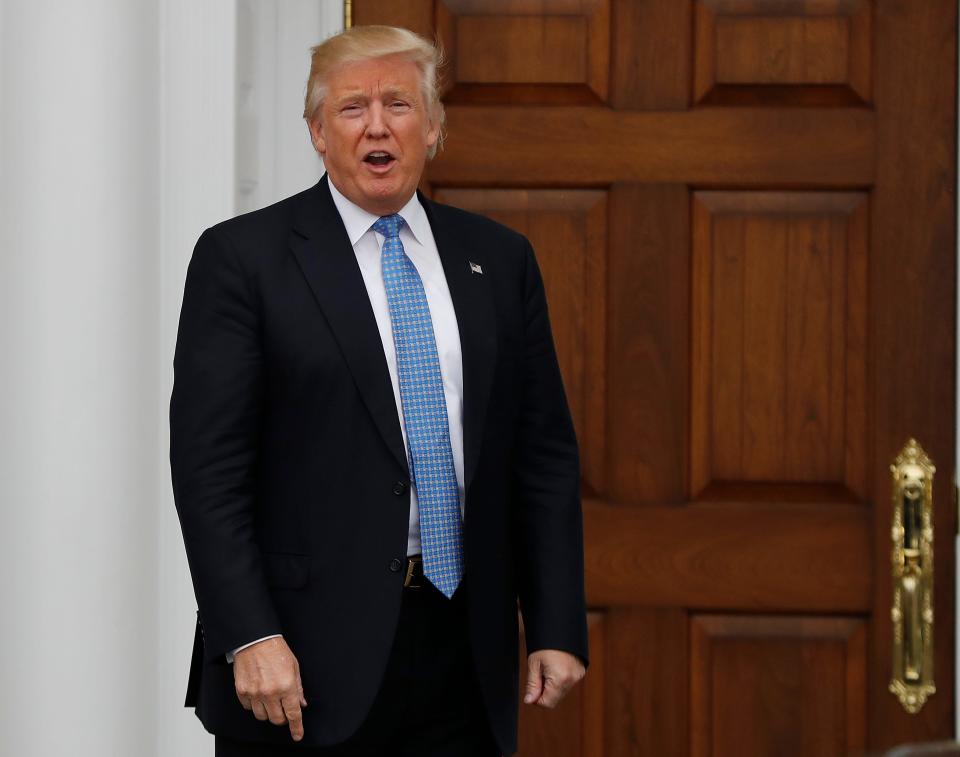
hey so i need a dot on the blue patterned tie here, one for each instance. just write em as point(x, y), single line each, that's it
point(424, 412)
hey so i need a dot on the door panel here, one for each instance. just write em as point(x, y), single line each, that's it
point(513, 51)
point(783, 51)
point(779, 328)
point(745, 215)
point(802, 677)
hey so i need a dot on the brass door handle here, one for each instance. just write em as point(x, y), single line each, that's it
point(912, 561)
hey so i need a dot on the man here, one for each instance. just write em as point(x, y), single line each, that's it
point(373, 460)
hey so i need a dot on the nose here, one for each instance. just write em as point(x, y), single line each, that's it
point(377, 124)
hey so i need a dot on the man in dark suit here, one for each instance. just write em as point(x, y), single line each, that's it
point(372, 456)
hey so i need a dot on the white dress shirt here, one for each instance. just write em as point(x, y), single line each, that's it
point(419, 245)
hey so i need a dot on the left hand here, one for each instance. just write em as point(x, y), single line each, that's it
point(550, 675)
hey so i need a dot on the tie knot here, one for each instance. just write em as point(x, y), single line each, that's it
point(389, 226)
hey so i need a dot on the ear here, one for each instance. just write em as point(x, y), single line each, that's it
point(316, 136)
point(433, 127)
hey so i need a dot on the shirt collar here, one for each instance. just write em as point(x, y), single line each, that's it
point(358, 221)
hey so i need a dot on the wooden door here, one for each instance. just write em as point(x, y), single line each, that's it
point(745, 215)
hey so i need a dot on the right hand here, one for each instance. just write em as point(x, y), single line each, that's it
point(267, 679)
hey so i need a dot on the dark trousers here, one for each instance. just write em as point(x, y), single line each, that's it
point(428, 704)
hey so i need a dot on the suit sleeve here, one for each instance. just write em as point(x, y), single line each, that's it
point(214, 428)
point(547, 477)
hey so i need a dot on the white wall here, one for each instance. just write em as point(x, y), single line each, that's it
point(273, 151)
point(118, 135)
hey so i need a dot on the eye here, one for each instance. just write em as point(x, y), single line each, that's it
point(399, 105)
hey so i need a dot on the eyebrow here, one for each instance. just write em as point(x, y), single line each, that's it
point(388, 93)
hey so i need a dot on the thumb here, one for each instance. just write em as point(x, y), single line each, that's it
point(534, 680)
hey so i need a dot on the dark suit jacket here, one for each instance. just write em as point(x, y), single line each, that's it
point(291, 481)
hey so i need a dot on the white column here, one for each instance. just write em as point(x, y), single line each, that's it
point(79, 327)
point(207, 111)
point(117, 147)
point(197, 181)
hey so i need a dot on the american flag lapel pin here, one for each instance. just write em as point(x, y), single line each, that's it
point(475, 268)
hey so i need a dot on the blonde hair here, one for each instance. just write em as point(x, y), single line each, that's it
point(362, 43)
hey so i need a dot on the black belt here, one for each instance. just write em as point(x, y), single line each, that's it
point(413, 576)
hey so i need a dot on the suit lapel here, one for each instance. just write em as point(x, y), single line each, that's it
point(325, 255)
point(473, 304)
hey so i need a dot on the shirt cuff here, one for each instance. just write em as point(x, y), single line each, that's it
point(231, 655)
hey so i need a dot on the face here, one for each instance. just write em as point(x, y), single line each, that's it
point(374, 131)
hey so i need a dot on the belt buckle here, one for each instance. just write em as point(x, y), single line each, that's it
point(408, 579)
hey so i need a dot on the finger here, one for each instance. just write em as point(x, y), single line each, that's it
point(291, 709)
point(534, 680)
point(552, 692)
point(259, 711)
point(275, 712)
point(242, 690)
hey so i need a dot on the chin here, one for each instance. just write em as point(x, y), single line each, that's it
point(386, 195)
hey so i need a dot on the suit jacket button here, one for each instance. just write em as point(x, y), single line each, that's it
point(395, 565)
point(400, 488)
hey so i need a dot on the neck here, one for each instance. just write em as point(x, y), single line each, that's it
point(385, 208)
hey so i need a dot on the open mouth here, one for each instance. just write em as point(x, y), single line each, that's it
point(378, 158)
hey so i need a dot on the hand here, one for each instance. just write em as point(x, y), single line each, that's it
point(267, 679)
point(550, 675)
